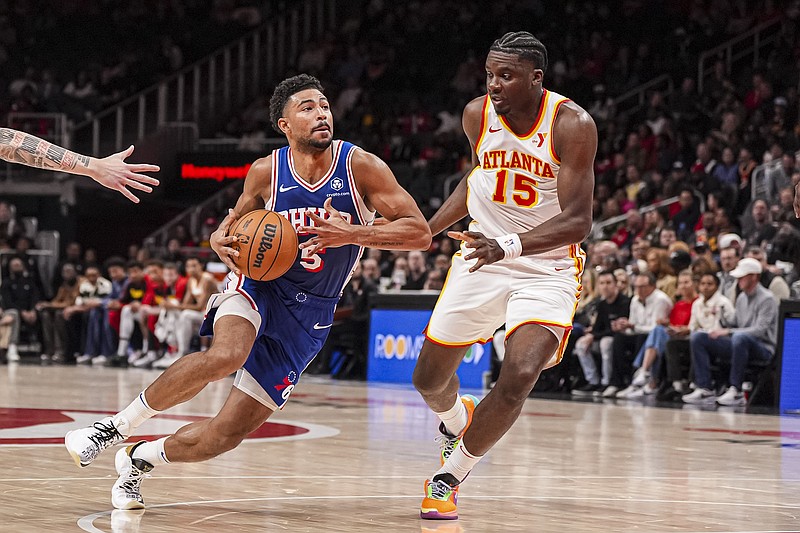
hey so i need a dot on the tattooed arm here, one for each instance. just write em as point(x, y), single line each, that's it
point(112, 171)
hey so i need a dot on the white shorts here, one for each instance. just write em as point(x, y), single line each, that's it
point(473, 305)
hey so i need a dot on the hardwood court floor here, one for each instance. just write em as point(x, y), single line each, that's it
point(352, 457)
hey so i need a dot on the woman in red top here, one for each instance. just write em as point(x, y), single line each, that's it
point(652, 353)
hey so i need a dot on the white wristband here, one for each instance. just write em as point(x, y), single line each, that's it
point(511, 245)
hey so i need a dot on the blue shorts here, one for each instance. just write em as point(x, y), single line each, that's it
point(292, 330)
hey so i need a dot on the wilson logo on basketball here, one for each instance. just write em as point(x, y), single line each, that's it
point(266, 243)
point(21, 426)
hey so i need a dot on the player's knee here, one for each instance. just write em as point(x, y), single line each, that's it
point(518, 383)
point(428, 382)
point(222, 361)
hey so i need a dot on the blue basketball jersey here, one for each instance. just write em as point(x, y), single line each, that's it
point(326, 272)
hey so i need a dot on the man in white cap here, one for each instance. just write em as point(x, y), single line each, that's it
point(751, 337)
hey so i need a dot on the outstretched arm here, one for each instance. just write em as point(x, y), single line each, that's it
point(455, 207)
point(406, 228)
point(112, 171)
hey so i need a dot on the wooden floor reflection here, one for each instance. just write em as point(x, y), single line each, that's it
point(352, 457)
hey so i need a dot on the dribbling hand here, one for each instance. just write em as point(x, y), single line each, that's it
point(114, 173)
point(220, 242)
point(331, 231)
point(487, 251)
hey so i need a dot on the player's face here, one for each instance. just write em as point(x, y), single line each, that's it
point(192, 268)
point(308, 119)
point(707, 286)
point(511, 82)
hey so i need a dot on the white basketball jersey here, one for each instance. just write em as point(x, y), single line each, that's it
point(514, 188)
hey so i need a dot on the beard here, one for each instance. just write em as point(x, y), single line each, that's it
point(315, 144)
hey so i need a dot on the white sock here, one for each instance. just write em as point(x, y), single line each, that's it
point(459, 463)
point(122, 349)
point(455, 418)
point(134, 415)
point(152, 452)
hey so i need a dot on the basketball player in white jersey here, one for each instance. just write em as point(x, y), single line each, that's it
point(111, 172)
point(530, 199)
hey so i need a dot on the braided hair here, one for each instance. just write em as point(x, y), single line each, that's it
point(524, 45)
point(284, 91)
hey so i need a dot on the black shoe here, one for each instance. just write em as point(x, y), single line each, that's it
point(587, 390)
point(669, 395)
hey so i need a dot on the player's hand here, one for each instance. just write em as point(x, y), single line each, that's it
point(797, 200)
point(220, 242)
point(717, 333)
point(487, 251)
point(113, 172)
point(331, 231)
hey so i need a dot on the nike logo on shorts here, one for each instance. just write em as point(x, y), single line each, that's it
point(317, 326)
point(562, 269)
point(284, 189)
point(494, 131)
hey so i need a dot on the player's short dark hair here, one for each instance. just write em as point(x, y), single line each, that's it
point(524, 45)
point(156, 263)
point(134, 264)
point(285, 90)
point(712, 276)
point(195, 258)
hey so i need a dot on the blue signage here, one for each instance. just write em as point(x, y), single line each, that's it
point(395, 340)
point(790, 367)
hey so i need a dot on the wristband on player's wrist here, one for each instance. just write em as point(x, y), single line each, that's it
point(511, 245)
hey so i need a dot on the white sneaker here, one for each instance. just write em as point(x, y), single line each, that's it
point(648, 390)
point(699, 396)
point(630, 393)
point(610, 392)
point(12, 355)
point(84, 359)
point(134, 356)
point(100, 360)
point(147, 360)
point(640, 378)
point(166, 361)
point(126, 521)
point(85, 444)
point(732, 396)
point(125, 493)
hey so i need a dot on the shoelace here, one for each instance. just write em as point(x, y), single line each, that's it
point(105, 435)
point(439, 490)
point(134, 481)
point(447, 444)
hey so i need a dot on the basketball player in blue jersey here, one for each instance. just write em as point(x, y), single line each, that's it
point(111, 172)
point(267, 332)
point(530, 199)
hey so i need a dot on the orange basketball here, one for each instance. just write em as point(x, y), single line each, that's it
point(267, 245)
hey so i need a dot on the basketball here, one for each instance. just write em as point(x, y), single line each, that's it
point(267, 245)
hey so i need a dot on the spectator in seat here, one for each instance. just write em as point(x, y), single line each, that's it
point(627, 234)
point(761, 230)
point(751, 336)
point(188, 312)
point(649, 307)
point(129, 304)
point(709, 311)
point(417, 271)
point(613, 305)
point(648, 362)
point(117, 274)
point(92, 293)
point(20, 296)
point(686, 219)
point(56, 324)
point(73, 255)
point(774, 282)
point(658, 265)
point(156, 293)
point(9, 228)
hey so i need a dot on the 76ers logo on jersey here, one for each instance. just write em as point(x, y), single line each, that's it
point(337, 184)
point(288, 385)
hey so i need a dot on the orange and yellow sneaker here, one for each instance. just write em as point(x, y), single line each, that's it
point(447, 441)
point(440, 500)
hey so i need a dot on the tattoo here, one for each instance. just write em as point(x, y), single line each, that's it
point(20, 147)
point(385, 243)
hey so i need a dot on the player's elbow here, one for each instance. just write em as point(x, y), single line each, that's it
point(423, 237)
point(582, 227)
